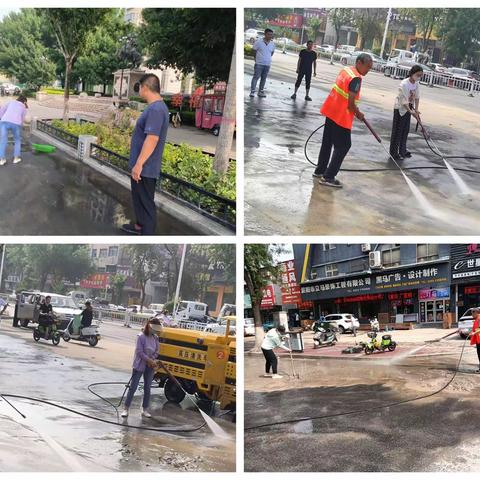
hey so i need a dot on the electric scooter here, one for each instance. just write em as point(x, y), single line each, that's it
point(379, 345)
point(47, 329)
point(324, 337)
point(74, 331)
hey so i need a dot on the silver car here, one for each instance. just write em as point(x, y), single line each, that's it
point(465, 323)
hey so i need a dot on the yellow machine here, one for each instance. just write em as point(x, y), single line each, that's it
point(203, 362)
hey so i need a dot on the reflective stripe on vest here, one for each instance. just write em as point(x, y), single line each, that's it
point(335, 106)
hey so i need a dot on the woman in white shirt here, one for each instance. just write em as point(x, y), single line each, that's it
point(406, 105)
point(272, 340)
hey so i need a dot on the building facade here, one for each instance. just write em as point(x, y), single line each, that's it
point(398, 283)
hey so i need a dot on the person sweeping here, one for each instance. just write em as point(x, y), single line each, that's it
point(406, 106)
point(273, 339)
point(339, 109)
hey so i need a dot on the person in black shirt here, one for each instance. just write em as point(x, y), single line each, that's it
point(87, 315)
point(46, 313)
point(306, 59)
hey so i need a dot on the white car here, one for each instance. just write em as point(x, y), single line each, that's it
point(465, 323)
point(343, 321)
point(327, 48)
point(351, 58)
point(248, 327)
point(252, 35)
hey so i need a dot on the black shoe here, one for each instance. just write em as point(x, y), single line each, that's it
point(307, 98)
point(407, 155)
point(330, 183)
point(317, 175)
point(130, 229)
point(397, 158)
point(294, 96)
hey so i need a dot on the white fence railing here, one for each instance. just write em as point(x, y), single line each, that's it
point(432, 79)
point(127, 318)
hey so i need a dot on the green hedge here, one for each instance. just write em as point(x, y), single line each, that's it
point(55, 91)
point(248, 50)
point(184, 161)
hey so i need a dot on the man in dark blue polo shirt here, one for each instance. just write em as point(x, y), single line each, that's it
point(146, 150)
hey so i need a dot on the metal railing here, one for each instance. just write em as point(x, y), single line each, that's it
point(432, 78)
point(213, 206)
point(61, 135)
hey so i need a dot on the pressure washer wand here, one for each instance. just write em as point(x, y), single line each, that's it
point(379, 140)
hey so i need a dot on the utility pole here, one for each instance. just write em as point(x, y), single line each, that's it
point(1, 263)
point(179, 281)
point(387, 23)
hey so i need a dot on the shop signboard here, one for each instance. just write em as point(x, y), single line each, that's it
point(465, 262)
point(290, 289)
point(268, 298)
point(391, 280)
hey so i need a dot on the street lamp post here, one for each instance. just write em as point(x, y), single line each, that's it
point(387, 23)
point(1, 263)
point(129, 55)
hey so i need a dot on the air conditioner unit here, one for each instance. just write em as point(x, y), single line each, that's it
point(375, 259)
point(366, 247)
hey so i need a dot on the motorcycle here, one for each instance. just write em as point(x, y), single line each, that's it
point(75, 331)
point(386, 343)
point(324, 337)
point(47, 329)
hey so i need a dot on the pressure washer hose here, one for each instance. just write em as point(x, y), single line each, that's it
point(171, 429)
point(366, 410)
point(433, 167)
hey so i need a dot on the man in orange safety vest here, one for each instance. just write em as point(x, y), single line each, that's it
point(339, 108)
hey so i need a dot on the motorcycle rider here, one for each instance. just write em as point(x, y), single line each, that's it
point(87, 315)
point(46, 314)
point(375, 325)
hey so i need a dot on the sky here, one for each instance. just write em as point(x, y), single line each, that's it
point(5, 11)
point(287, 255)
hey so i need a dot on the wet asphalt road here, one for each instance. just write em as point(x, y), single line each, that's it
point(282, 198)
point(51, 194)
point(50, 439)
point(439, 433)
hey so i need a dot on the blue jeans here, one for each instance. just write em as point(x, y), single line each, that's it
point(147, 383)
point(260, 71)
point(17, 136)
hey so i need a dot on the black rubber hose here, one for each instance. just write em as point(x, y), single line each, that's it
point(170, 429)
point(365, 410)
point(433, 167)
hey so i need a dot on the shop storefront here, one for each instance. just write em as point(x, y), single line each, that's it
point(409, 294)
point(465, 271)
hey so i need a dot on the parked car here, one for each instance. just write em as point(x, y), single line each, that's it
point(10, 89)
point(281, 41)
point(351, 58)
point(346, 48)
point(252, 35)
point(460, 73)
point(342, 321)
point(248, 327)
point(327, 48)
point(465, 323)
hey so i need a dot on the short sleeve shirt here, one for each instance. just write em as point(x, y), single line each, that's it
point(355, 84)
point(152, 121)
point(264, 52)
point(307, 57)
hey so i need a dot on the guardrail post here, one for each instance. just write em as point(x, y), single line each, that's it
point(78, 118)
point(472, 83)
point(430, 83)
point(84, 142)
point(33, 124)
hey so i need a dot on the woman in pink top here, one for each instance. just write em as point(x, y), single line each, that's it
point(12, 115)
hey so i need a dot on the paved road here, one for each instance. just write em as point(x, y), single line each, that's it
point(432, 434)
point(282, 198)
point(54, 440)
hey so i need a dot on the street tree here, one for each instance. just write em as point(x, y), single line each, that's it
point(117, 283)
point(23, 53)
point(461, 34)
point(99, 60)
point(370, 23)
point(339, 17)
point(426, 22)
point(71, 27)
point(146, 261)
point(313, 29)
point(260, 269)
point(199, 41)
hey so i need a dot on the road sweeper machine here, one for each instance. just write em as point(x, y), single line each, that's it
point(204, 363)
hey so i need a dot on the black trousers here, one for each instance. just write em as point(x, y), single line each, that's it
point(308, 79)
point(400, 131)
point(478, 352)
point(271, 361)
point(338, 138)
point(143, 198)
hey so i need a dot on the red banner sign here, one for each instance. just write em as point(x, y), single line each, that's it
point(268, 299)
point(292, 20)
point(291, 293)
point(99, 280)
